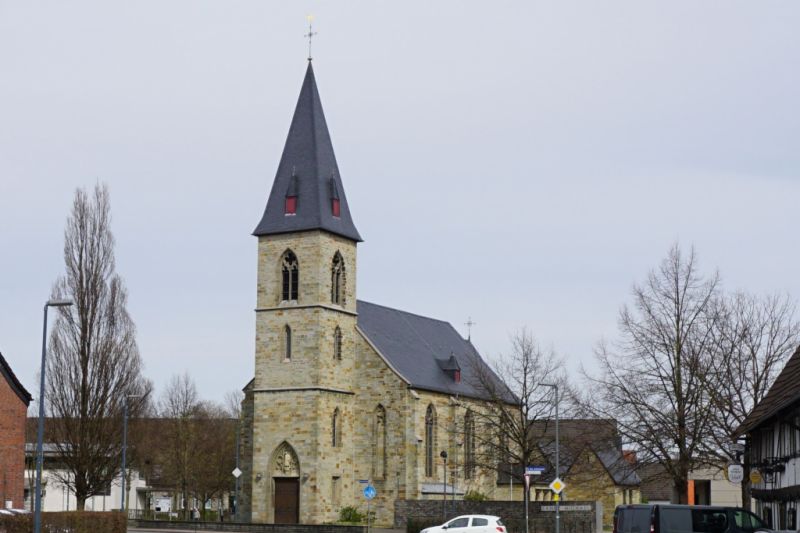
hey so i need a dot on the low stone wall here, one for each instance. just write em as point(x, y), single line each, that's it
point(575, 517)
point(243, 527)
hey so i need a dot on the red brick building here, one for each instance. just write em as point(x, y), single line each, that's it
point(14, 401)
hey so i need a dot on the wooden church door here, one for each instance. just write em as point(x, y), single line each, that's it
point(287, 500)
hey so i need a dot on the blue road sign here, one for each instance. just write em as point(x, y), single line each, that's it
point(370, 492)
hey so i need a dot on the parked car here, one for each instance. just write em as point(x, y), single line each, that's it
point(472, 523)
point(659, 518)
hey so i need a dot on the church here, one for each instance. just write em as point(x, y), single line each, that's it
point(346, 393)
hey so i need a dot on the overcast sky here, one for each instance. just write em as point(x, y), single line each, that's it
point(520, 163)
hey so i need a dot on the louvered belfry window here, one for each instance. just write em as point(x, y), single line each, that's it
point(337, 279)
point(290, 274)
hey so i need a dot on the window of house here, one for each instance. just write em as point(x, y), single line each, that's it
point(379, 443)
point(337, 279)
point(336, 430)
point(767, 514)
point(430, 434)
point(287, 343)
point(290, 276)
point(469, 445)
point(337, 344)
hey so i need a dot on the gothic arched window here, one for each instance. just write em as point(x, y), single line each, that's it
point(430, 439)
point(336, 428)
point(379, 444)
point(337, 344)
point(287, 343)
point(337, 279)
point(289, 276)
point(469, 445)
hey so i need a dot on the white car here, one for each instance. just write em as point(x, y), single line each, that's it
point(471, 523)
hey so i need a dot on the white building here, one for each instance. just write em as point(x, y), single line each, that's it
point(58, 497)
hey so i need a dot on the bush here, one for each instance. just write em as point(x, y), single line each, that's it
point(351, 514)
point(475, 496)
point(73, 521)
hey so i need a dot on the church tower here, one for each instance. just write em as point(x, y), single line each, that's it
point(303, 412)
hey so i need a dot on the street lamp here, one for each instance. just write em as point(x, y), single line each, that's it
point(37, 513)
point(443, 455)
point(125, 443)
point(558, 469)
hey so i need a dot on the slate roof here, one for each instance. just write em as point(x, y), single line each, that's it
point(610, 456)
point(308, 170)
point(784, 393)
point(13, 382)
point(424, 350)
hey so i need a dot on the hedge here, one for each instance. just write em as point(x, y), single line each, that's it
point(67, 522)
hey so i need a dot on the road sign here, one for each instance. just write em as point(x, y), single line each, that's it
point(735, 473)
point(370, 492)
point(363, 481)
point(557, 486)
point(534, 470)
point(755, 477)
point(236, 472)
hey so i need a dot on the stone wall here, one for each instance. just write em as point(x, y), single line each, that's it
point(236, 527)
point(575, 516)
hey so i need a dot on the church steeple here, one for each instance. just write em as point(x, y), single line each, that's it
point(307, 193)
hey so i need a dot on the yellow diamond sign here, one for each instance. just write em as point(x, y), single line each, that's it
point(557, 486)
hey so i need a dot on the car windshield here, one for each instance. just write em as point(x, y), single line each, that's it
point(458, 522)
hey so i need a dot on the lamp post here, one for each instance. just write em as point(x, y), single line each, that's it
point(37, 513)
point(443, 455)
point(558, 469)
point(125, 444)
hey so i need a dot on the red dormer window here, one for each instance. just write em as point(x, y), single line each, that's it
point(335, 207)
point(291, 205)
point(457, 376)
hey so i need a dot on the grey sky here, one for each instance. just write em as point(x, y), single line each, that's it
point(522, 163)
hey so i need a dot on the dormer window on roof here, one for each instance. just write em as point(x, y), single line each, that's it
point(335, 206)
point(451, 367)
point(290, 207)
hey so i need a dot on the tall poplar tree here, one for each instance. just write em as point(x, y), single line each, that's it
point(94, 365)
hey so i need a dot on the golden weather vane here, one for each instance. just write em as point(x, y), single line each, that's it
point(310, 34)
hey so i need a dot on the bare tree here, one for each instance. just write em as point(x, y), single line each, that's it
point(753, 338)
point(94, 363)
point(179, 404)
point(233, 403)
point(650, 380)
point(503, 437)
point(197, 451)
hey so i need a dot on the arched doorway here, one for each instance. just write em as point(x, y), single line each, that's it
point(285, 485)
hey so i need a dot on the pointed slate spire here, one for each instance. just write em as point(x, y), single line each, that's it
point(307, 193)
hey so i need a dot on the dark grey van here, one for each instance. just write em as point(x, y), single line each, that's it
point(658, 518)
